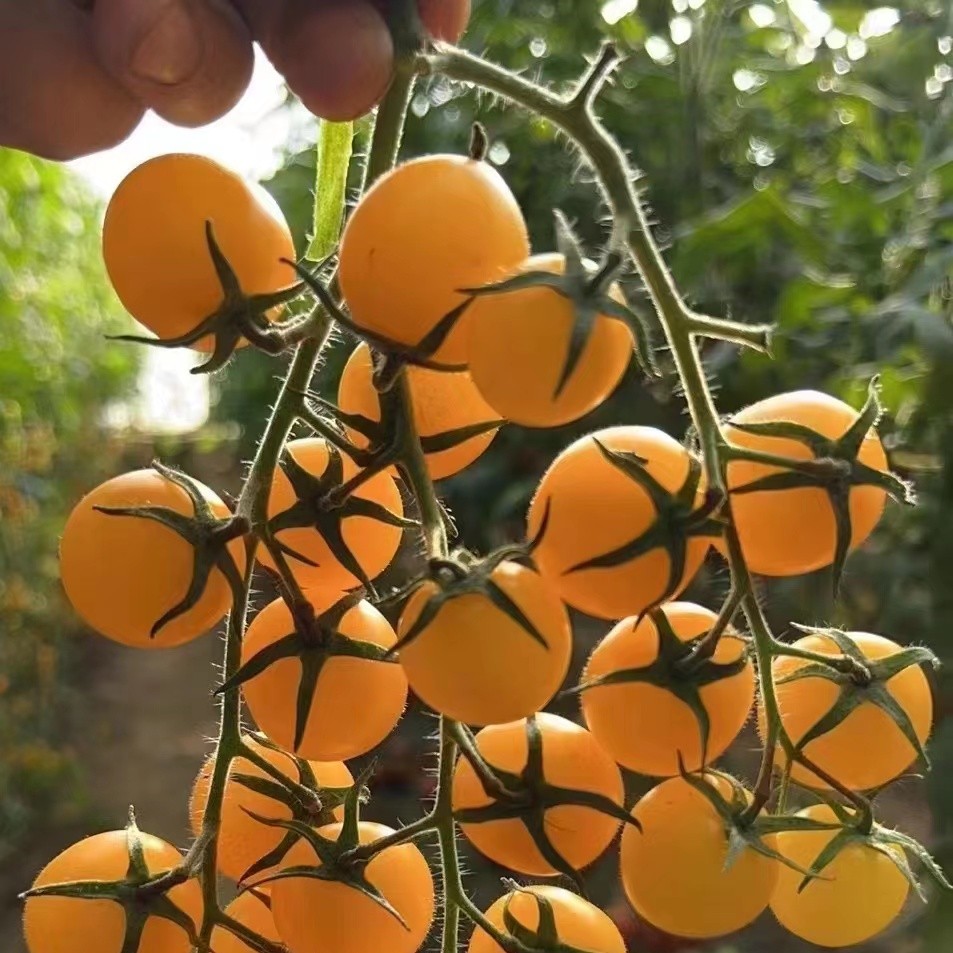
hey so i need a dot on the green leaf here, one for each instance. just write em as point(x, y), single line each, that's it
point(335, 144)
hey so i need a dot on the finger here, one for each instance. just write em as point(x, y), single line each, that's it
point(189, 60)
point(56, 100)
point(336, 55)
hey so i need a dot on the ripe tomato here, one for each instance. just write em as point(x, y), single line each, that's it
point(316, 916)
point(445, 19)
point(338, 57)
point(66, 925)
point(251, 909)
point(123, 573)
point(356, 703)
point(519, 345)
point(674, 871)
point(425, 230)
point(572, 759)
point(155, 247)
point(859, 894)
point(371, 542)
point(442, 402)
point(644, 723)
point(846, 751)
point(792, 531)
point(243, 841)
point(591, 509)
point(474, 663)
point(579, 924)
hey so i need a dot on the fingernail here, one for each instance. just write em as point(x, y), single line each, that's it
point(170, 50)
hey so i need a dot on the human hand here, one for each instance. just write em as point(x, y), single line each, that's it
point(76, 76)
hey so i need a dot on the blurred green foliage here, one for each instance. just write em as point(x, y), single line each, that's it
point(57, 377)
point(798, 161)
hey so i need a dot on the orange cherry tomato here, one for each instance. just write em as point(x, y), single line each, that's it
point(67, 925)
point(242, 840)
point(793, 531)
point(858, 895)
point(579, 924)
point(847, 751)
point(644, 723)
point(591, 509)
point(572, 759)
point(356, 703)
point(155, 247)
point(474, 663)
point(424, 231)
point(372, 543)
point(442, 403)
point(252, 910)
point(124, 573)
point(673, 871)
point(318, 916)
point(519, 344)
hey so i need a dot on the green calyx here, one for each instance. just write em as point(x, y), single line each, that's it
point(527, 796)
point(207, 534)
point(742, 831)
point(238, 316)
point(894, 845)
point(308, 802)
point(341, 860)
point(545, 938)
point(588, 291)
point(836, 469)
point(678, 669)
point(320, 506)
point(313, 641)
point(463, 575)
point(140, 893)
point(861, 681)
point(678, 519)
point(420, 354)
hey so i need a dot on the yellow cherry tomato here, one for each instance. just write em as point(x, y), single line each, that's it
point(252, 910)
point(442, 402)
point(673, 871)
point(124, 573)
point(792, 531)
point(155, 247)
point(644, 724)
point(519, 343)
point(422, 232)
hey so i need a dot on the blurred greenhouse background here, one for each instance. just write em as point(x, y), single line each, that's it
point(798, 161)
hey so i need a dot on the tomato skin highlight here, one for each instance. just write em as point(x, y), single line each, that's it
point(373, 543)
point(579, 924)
point(422, 232)
point(582, 523)
point(317, 916)
point(155, 247)
point(442, 401)
point(673, 871)
point(242, 840)
point(846, 751)
point(791, 532)
point(646, 727)
point(69, 924)
point(861, 894)
point(357, 702)
point(573, 759)
point(518, 344)
point(123, 573)
point(474, 664)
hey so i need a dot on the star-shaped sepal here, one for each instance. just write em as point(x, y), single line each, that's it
point(239, 316)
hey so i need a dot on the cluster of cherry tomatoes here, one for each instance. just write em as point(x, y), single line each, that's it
point(436, 272)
